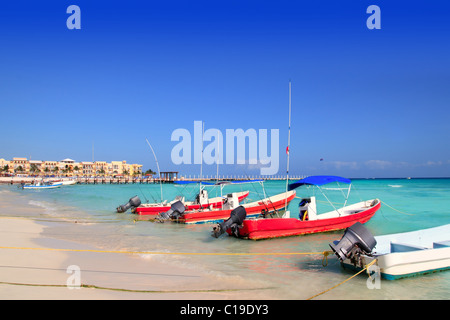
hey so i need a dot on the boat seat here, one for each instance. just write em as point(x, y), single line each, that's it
point(442, 244)
point(402, 247)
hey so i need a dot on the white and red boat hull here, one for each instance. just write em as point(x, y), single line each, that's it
point(256, 208)
point(154, 210)
point(257, 229)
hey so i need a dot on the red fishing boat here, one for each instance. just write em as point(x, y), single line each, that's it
point(201, 202)
point(265, 206)
point(309, 221)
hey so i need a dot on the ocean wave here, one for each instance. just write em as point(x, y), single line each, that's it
point(395, 185)
point(49, 209)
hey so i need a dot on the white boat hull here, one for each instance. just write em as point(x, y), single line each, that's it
point(51, 186)
point(68, 182)
point(411, 253)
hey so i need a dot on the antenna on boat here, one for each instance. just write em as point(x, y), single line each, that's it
point(287, 149)
point(157, 164)
point(218, 160)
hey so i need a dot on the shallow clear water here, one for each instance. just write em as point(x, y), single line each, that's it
point(417, 203)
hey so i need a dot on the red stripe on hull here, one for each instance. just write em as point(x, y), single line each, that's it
point(154, 211)
point(214, 215)
point(257, 229)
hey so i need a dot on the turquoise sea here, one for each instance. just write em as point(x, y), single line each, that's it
point(407, 204)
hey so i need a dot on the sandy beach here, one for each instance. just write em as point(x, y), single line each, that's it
point(34, 272)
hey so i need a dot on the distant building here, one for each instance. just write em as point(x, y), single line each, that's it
point(69, 167)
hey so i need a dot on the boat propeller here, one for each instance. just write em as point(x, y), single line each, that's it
point(235, 220)
point(132, 203)
point(176, 211)
point(356, 240)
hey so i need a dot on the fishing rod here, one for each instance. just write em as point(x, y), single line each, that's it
point(143, 193)
point(150, 193)
point(157, 164)
point(262, 200)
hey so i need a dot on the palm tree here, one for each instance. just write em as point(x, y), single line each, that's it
point(34, 168)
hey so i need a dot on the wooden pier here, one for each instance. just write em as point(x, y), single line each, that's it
point(149, 179)
point(121, 180)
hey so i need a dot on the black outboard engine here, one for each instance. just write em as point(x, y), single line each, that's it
point(176, 210)
point(132, 203)
point(235, 220)
point(303, 207)
point(356, 240)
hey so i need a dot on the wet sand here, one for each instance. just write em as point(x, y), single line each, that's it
point(32, 273)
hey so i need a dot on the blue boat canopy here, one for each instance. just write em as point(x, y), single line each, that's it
point(318, 181)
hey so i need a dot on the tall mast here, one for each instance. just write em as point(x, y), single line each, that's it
point(218, 154)
point(289, 143)
point(201, 163)
point(218, 159)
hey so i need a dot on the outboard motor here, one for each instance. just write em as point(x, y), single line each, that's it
point(176, 210)
point(132, 203)
point(303, 207)
point(356, 240)
point(235, 220)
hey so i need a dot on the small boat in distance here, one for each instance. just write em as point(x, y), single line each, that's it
point(42, 185)
point(398, 255)
point(309, 221)
point(65, 181)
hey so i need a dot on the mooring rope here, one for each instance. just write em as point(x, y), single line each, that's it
point(325, 253)
point(324, 263)
point(383, 202)
point(365, 268)
point(90, 286)
point(410, 214)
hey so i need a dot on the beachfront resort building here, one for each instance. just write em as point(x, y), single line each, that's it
point(69, 167)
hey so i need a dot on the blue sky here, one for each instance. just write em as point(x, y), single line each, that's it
point(370, 103)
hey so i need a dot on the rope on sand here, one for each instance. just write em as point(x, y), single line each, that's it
point(324, 263)
point(365, 268)
point(325, 253)
point(90, 286)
